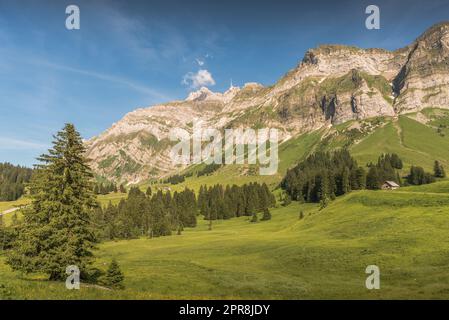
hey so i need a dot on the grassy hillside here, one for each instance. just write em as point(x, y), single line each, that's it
point(322, 256)
point(415, 142)
point(290, 152)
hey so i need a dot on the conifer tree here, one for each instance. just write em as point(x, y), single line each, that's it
point(345, 181)
point(57, 231)
point(443, 173)
point(286, 200)
point(372, 178)
point(438, 170)
point(254, 218)
point(266, 214)
point(114, 276)
point(361, 178)
point(250, 201)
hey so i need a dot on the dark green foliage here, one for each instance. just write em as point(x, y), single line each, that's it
point(12, 181)
point(105, 188)
point(8, 234)
point(359, 181)
point(373, 181)
point(7, 293)
point(323, 176)
point(266, 215)
point(418, 176)
point(162, 214)
point(142, 215)
point(395, 161)
point(56, 231)
point(438, 170)
point(208, 169)
point(286, 200)
point(2, 234)
point(254, 218)
point(114, 277)
point(234, 201)
point(175, 179)
point(384, 170)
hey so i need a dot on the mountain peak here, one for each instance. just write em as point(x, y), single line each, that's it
point(204, 94)
point(437, 29)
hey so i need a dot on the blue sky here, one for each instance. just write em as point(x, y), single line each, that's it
point(131, 54)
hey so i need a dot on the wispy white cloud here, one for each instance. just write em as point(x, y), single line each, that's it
point(110, 78)
point(202, 78)
point(18, 144)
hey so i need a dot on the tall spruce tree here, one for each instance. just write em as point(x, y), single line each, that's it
point(56, 231)
point(372, 178)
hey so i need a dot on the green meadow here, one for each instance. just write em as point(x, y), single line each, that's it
point(323, 255)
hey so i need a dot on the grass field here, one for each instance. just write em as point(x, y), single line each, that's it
point(415, 143)
point(322, 256)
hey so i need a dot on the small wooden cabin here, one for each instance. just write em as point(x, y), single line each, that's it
point(390, 185)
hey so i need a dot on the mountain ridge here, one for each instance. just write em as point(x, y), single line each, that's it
point(331, 85)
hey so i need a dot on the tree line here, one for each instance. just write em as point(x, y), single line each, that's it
point(386, 169)
point(418, 176)
point(146, 214)
point(12, 181)
point(323, 176)
point(108, 187)
point(217, 202)
point(179, 178)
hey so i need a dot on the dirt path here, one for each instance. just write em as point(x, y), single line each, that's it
point(11, 210)
point(401, 139)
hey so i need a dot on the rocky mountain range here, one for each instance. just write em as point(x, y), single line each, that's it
point(332, 84)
